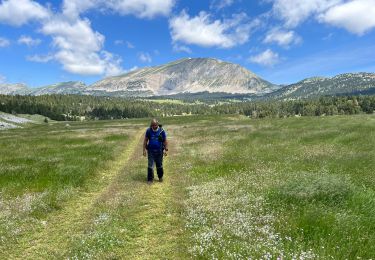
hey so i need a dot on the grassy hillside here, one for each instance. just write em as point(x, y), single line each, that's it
point(234, 188)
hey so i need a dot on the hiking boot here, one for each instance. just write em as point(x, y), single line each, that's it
point(160, 172)
point(149, 182)
point(161, 179)
point(150, 174)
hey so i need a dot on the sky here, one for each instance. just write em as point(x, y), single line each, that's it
point(282, 41)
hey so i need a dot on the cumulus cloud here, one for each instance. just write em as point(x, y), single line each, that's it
point(202, 30)
point(79, 48)
point(282, 37)
point(27, 40)
point(73, 8)
point(295, 12)
point(4, 42)
point(266, 58)
point(356, 16)
point(219, 4)
point(19, 12)
point(144, 57)
point(141, 8)
point(40, 58)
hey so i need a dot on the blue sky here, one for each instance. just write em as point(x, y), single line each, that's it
point(283, 41)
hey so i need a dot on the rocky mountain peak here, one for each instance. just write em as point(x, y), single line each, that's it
point(188, 75)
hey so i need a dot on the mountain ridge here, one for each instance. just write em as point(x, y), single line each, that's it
point(203, 75)
point(187, 75)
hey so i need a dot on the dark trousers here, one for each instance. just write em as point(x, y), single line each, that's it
point(155, 157)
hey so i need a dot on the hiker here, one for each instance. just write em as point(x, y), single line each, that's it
point(155, 145)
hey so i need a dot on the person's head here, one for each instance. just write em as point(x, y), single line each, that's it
point(154, 124)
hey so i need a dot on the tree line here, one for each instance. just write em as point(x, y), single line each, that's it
point(78, 107)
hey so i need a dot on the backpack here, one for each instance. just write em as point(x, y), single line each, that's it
point(160, 136)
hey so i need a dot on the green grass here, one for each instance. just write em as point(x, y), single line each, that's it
point(234, 188)
point(311, 182)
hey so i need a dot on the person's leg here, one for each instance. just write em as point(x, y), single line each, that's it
point(159, 165)
point(150, 166)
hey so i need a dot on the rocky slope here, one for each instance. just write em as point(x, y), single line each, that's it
point(71, 87)
point(343, 84)
point(186, 76)
point(14, 89)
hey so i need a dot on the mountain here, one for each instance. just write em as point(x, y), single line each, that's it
point(14, 89)
point(204, 78)
point(71, 87)
point(185, 76)
point(343, 84)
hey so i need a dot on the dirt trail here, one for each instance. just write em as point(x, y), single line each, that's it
point(155, 211)
point(158, 212)
point(52, 240)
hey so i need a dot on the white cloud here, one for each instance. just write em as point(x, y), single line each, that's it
point(141, 8)
point(79, 48)
point(282, 37)
point(127, 43)
point(4, 42)
point(27, 40)
point(19, 12)
point(145, 57)
point(294, 12)
point(202, 30)
point(73, 8)
point(356, 16)
point(181, 48)
point(40, 58)
point(219, 4)
point(266, 58)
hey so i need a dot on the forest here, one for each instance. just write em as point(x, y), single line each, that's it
point(78, 107)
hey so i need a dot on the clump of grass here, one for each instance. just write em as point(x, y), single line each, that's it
point(113, 138)
point(307, 188)
point(326, 212)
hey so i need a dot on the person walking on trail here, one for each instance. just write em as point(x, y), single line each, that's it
point(155, 145)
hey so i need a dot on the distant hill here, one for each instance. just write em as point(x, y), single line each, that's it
point(204, 78)
point(71, 87)
point(14, 89)
point(344, 84)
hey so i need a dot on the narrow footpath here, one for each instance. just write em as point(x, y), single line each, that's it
point(144, 220)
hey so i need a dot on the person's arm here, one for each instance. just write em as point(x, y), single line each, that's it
point(145, 146)
point(165, 143)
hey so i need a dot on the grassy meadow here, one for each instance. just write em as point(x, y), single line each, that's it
point(235, 188)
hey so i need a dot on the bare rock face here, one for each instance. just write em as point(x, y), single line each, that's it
point(187, 76)
point(71, 87)
point(344, 84)
point(12, 89)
